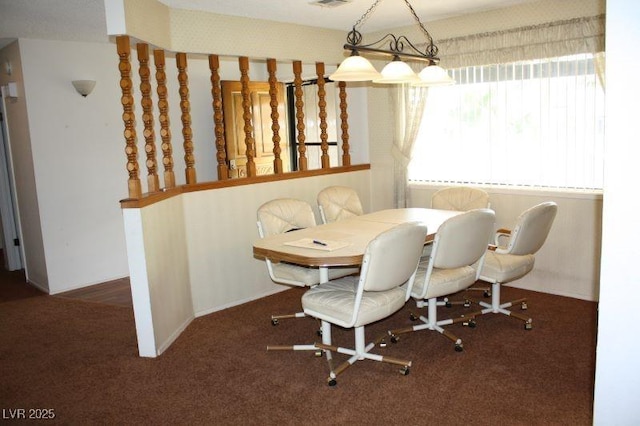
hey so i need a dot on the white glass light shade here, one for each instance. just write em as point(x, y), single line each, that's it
point(434, 75)
point(355, 68)
point(396, 72)
point(84, 87)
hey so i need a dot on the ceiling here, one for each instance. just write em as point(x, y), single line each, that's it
point(387, 14)
point(84, 20)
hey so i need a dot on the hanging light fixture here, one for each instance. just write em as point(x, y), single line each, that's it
point(355, 68)
point(396, 72)
point(434, 75)
point(398, 48)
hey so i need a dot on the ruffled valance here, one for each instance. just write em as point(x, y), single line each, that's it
point(554, 39)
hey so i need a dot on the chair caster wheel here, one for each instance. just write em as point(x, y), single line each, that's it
point(394, 338)
point(524, 306)
point(528, 326)
point(487, 293)
point(459, 347)
point(332, 382)
point(448, 304)
point(318, 353)
point(413, 317)
point(405, 370)
point(471, 323)
point(383, 343)
point(467, 304)
point(274, 321)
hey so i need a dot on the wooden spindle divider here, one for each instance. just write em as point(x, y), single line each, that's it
point(218, 118)
point(344, 124)
point(246, 115)
point(153, 183)
point(163, 117)
point(275, 126)
point(297, 83)
point(322, 105)
point(128, 116)
point(185, 107)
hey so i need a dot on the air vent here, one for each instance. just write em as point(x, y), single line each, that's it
point(330, 3)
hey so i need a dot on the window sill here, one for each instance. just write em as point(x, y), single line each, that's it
point(594, 194)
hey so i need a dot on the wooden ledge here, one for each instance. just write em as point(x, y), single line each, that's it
point(148, 199)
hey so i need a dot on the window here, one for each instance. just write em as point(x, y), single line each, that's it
point(312, 131)
point(536, 123)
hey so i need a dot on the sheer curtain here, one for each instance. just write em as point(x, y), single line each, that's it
point(553, 39)
point(409, 105)
point(599, 60)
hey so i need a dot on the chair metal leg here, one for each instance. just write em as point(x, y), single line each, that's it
point(291, 347)
point(325, 331)
point(445, 301)
point(500, 308)
point(324, 277)
point(486, 291)
point(467, 301)
point(431, 323)
point(360, 352)
point(275, 319)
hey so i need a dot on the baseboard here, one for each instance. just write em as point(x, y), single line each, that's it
point(555, 292)
point(79, 286)
point(240, 302)
point(172, 338)
point(40, 287)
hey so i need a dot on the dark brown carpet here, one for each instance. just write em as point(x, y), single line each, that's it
point(80, 359)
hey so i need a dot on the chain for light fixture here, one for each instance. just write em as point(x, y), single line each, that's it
point(357, 68)
point(399, 46)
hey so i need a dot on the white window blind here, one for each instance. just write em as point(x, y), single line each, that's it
point(532, 123)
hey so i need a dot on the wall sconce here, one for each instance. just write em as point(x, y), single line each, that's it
point(84, 87)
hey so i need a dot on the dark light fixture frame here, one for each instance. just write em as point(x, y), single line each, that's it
point(399, 46)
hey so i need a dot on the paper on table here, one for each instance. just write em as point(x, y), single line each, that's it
point(309, 243)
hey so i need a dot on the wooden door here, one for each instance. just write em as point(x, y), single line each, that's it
point(261, 122)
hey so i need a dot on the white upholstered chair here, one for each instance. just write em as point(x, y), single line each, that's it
point(382, 288)
point(338, 202)
point(286, 215)
point(460, 198)
point(460, 244)
point(504, 264)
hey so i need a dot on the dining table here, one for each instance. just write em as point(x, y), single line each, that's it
point(343, 243)
point(339, 244)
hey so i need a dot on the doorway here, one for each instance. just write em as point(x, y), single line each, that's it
point(261, 121)
point(8, 212)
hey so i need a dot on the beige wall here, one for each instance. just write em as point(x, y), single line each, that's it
point(569, 262)
point(77, 152)
point(186, 259)
point(202, 32)
point(223, 271)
